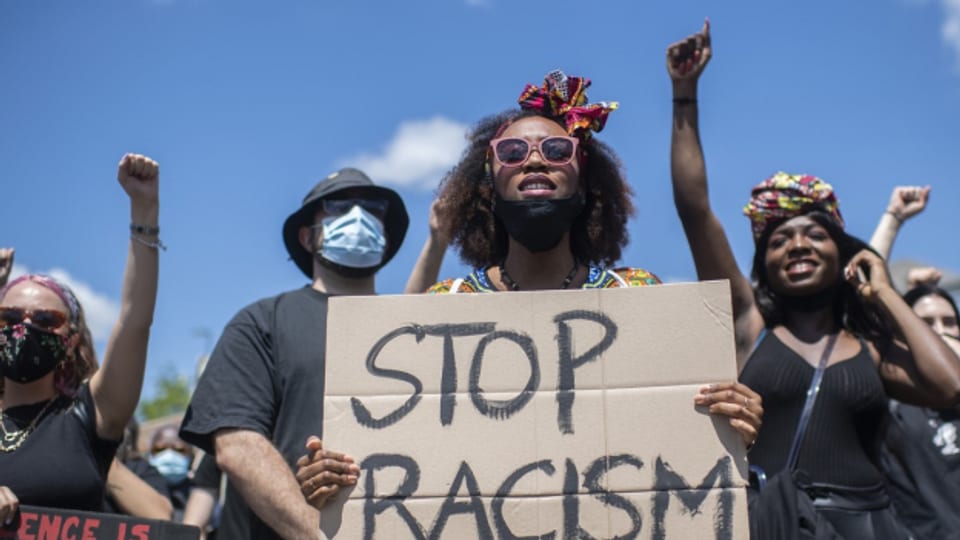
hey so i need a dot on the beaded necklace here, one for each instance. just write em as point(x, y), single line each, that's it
point(513, 284)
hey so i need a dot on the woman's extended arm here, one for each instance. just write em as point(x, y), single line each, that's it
point(905, 202)
point(708, 242)
point(922, 370)
point(116, 386)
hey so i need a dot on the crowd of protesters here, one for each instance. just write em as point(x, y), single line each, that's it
point(536, 202)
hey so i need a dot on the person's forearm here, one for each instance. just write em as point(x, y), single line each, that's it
point(885, 234)
point(687, 166)
point(936, 362)
point(199, 508)
point(267, 484)
point(125, 356)
point(427, 268)
point(134, 496)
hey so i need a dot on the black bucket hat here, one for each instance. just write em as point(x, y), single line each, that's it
point(359, 184)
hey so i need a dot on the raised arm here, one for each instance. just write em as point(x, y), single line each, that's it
point(905, 202)
point(427, 267)
point(921, 369)
point(712, 254)
point(115, 387)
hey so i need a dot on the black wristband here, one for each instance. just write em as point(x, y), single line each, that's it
point(145, 230)
point(684, 101)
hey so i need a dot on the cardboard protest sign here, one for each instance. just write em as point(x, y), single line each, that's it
point(36, 523)
point(555, 415)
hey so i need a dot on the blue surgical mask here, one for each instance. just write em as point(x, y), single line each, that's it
point(173, 465)
point(354, 240)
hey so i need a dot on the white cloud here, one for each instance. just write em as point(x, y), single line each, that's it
point(950, 31)
point(418, 155)
point(100, 309)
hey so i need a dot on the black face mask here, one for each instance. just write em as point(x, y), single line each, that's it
point(538, 224)
point(811, 302)
point(28, 352)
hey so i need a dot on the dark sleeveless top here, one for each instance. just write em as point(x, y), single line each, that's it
point(842, 443)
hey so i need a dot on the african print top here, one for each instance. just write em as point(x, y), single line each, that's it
point(597, 278)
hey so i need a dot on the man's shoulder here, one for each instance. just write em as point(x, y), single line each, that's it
point(264, 308)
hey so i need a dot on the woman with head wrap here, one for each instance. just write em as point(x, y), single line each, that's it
point(538, 203)
point(61, 420)
point(817, 293)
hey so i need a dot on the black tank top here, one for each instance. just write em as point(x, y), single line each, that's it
point(841, 446)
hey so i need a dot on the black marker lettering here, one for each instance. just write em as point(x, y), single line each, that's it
point(374, 506)
point(692, 498)
point(503, 409)
point(496, 507)
point(568, 363)
point(592, 481)
point(475, 506)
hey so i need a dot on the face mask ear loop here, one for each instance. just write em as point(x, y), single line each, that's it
point(315, 231)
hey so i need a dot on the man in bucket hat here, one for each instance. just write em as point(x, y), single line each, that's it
point(261, 395)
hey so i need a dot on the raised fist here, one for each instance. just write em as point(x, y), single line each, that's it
point(140, 178)
point(908, 201)
point(687, 57)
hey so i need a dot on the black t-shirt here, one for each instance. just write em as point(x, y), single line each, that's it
point(63, 463)
point(922, 461)
point(207, 475)
point(266, 375)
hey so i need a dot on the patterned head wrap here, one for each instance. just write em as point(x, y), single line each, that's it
point(784, 196)
point(566, 98)
point(60, 289)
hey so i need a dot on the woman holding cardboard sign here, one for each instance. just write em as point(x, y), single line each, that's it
point(538, 203)
point(821, 306)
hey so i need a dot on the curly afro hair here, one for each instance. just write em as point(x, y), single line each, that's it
point(597, 236)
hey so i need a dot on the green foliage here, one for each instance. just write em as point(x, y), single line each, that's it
point(171, 396)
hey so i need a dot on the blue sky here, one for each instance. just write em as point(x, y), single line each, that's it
point(246, 104)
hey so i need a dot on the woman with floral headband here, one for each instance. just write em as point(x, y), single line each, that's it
point(60, 429)
point(819, 297)
point(537, 203)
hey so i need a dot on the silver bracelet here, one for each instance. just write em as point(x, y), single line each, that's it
point(144, 230)
point(149, 243)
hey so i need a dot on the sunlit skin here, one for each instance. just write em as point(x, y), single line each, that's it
point(801, 258)
point(938, 313)
point(32, 296)
point(536, 178)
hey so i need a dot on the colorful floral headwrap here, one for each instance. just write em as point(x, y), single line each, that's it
point(784, 196)
point(565, 98)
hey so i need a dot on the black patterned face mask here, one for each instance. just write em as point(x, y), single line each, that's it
point(28, 352)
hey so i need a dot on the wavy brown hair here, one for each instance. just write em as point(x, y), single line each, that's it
point(81, 358)
point(597, 236)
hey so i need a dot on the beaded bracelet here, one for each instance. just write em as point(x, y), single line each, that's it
point(149, 243)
